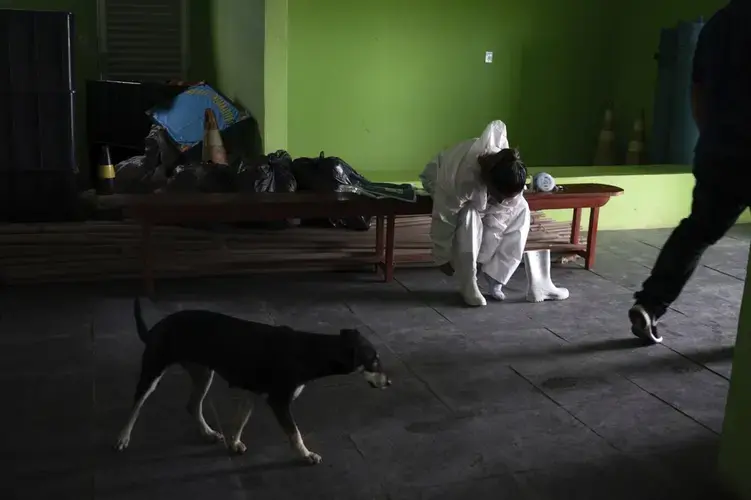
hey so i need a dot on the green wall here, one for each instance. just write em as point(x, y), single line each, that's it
point(201, 27)
point(387, 84)
point(238, 52)
point(391, 83)
point(638, 35)
point(276, 76)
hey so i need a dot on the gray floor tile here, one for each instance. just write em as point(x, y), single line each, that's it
point(450, 451)
point(344, 473)
point(72, 484)
point(617, 477)
point(638, 423)
point(498, 388)
point(515, 400)
point(699, 394)
point(502, 486)
point(571, 379)
point(740, 232)
point(617, 269)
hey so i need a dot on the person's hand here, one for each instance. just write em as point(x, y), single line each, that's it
point(447, 269)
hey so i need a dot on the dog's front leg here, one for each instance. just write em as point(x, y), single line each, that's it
point(244, 410)
point(283, 411)
point(146, 385)
point(202, 378)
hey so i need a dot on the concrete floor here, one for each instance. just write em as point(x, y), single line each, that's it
point(516, 400)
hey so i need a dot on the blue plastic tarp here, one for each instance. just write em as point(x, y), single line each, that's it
point(183, 121)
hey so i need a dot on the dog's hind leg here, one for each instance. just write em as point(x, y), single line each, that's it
point(283, 411)
point(202, 378)
point(146, 385)
point(244, 410)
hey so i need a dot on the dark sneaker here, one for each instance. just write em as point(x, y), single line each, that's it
point(643, 324)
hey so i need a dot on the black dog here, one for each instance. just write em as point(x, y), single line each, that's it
point(273, 361)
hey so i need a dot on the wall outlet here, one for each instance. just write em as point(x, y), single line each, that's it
point(488, 57)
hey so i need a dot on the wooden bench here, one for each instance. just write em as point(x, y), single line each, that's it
point(151, 210)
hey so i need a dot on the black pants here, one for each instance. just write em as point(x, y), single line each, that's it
point(716, 206)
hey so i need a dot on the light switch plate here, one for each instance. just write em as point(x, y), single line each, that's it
point(488, 57)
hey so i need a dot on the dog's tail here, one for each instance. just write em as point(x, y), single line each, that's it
point(141, 327)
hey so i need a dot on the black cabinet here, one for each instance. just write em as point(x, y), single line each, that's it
point(37, 98)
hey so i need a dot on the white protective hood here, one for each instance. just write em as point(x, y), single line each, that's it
point(453, 180)
point(459, 174)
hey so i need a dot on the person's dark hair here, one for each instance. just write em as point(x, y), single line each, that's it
point(505, 171)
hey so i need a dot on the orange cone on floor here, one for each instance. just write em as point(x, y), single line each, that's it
point(635, 154)
point(213, 147)
point(605, 154)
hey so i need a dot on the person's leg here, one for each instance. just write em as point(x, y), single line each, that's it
point(503, 263)
point(466, 248)
point(502, 250)
point(714, 210)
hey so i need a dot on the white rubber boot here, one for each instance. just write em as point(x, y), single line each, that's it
point(466, 276)
point(472, 295)
point(539, 285)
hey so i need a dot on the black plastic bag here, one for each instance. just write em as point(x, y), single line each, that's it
point(159, 150)
point(132, 176)
point(145, 173)
point(135, 176)
point(326, 174)
point(272, 174)
point(201, 178)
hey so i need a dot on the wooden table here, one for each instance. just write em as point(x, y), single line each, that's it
point(151, 210)
point(577, 197)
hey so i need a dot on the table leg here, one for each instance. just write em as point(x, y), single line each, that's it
point(576, 226)
point(594, 218)
point(148, 258)
point(379, 241)
point(389, 264)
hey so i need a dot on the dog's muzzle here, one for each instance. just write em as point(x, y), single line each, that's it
point(376, 380)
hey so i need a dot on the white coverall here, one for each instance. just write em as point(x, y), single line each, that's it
point(466, 229)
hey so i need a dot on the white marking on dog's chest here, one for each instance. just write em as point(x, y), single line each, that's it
point(298, 391)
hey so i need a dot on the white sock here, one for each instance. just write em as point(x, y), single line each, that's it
point(495, 288)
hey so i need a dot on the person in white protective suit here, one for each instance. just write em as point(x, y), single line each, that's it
point(481, 219)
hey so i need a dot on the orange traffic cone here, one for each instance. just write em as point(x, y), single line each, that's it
point(605, 154)
point(213, 147)
point(635, 153)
